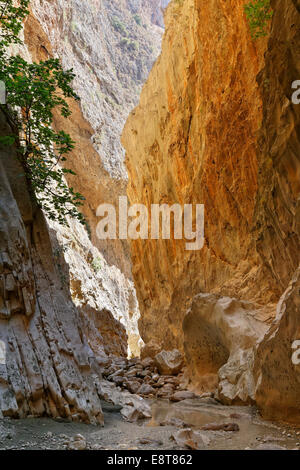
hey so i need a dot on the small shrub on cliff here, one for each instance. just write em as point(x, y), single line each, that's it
point(96, 264)
point(137, 19)
point(119, 26)
point(258, 13)
point(34, 90)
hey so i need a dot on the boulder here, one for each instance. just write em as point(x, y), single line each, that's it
point(228, 427)
point(169, 362)
point(183, 395)
point(133, 406)
point(133, 386)
point(146, 389)
point(150, 350)
point(187, 438)
point(148, 362)
point(133, 413)
point(118, 380)
point(77, 443)
point(220, 336)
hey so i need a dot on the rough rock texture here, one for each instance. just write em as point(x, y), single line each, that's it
point(192, 139)
point(278, 214)
point(48, 368)
point(150, 350)
point(91, 37)
point(101, 291)
point(277, 377)
point(112, 45)
point(111, 55)
point(216, 125)
point(64, 304)
point(220, 333)
point(169, 362)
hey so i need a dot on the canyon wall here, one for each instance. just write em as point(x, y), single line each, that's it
point(111, 46)
point(67, 299)
point(216, 126)
point(47, 366)
point(277, 215)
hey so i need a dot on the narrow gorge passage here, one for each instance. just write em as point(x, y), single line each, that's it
point(126, 321)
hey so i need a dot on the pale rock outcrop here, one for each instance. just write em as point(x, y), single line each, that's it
point(220, 333)
point(169, 362)
point(48, 367)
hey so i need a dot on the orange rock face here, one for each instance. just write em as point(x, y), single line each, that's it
point(216, 126)
point(192, 139)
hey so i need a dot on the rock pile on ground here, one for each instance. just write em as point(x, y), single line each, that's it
point(161, 377)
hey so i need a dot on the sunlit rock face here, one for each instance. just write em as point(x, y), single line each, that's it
point(111, 46)
point(67, 300)
point(192, 139)
point(216, 125)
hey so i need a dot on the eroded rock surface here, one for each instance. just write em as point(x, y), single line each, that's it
point(220, 334)
point(47, 367)
point(216, 125)
point(277, 373)
point(111, 45)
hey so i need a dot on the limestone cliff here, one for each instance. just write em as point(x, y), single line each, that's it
point(192, 139)
point(111, 46)
point(67, 301)
point(47, 365)
point(216, 125)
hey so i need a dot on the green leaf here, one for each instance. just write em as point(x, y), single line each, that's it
point(258, 14)
point(34, 91)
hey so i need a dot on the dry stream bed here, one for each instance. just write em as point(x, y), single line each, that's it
point(168, 420)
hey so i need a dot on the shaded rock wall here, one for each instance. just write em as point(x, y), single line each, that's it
point(278, 215)
point(47, 366)
point(277, 375)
